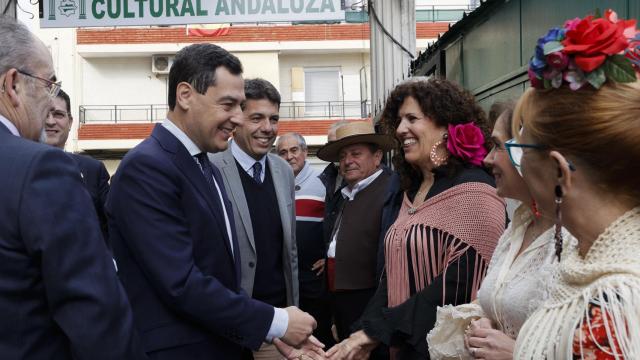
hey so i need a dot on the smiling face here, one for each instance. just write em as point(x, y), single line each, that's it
point(417, 133)
point(358, 162)
point(509, 183)
point(215, 114)
point(256, 136)
point(58, 124)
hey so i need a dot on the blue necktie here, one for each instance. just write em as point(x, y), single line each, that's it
point(257, 171)
point(207, 170)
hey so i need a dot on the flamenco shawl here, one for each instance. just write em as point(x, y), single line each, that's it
point(439, 232)
point(608, 277)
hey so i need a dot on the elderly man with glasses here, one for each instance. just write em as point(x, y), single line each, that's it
point(60, 297)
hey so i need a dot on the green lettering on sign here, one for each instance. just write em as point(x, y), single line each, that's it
point(141, 8)
point(172, 6)
point(268, 6)
point(297, 9)
point(114, 14)
point(199, 10)
point(127, 14)
point(222, 7)
point(310, 8)
point(94, 9)
point(256, 9)
point(187, 7)
point(281, 9)
point(152, 7)
point(327, 4)
point(237, 6)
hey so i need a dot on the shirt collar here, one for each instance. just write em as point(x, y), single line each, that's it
point(9, 125)
point(244, 159)
point(304, 173)
point(192, 148)
point(359, 186)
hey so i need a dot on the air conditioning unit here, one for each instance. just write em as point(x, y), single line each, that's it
point(161, 64)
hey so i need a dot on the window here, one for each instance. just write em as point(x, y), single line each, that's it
point(321, 89)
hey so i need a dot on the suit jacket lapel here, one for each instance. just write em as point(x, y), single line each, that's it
point(231, 174)
point(185, 162)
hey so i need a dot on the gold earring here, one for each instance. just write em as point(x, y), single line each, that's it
point(439, 160)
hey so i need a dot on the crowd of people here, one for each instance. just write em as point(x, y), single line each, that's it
point(210, 242)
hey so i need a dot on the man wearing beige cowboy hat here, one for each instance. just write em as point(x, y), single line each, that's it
point(355, 223)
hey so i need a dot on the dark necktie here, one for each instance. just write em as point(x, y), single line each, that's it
point(207, 170)
point(257, 171)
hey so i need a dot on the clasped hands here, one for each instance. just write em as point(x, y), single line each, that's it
point(485, 342)
point(299, 344)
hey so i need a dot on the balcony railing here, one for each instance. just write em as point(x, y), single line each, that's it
point(147, 113)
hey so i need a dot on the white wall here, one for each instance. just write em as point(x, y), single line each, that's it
point(261, 64)
point(350, 63)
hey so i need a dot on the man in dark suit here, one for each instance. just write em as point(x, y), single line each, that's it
point(60, 297)
point(93, 172)
point(172, 226)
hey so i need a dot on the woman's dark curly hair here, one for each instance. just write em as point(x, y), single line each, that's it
point(445, 103)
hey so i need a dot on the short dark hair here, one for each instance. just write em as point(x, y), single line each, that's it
point(64, 96)
point(259, 89)
point(196, 64)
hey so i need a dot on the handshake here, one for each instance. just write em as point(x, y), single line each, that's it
point(298, 343)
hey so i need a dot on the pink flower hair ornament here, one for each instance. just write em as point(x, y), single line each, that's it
point(585, 51)
point(466, 142)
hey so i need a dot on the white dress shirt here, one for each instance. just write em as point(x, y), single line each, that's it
point(349, 193)
point(246, 161)
point(12, 128)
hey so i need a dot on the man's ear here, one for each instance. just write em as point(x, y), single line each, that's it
point(184, 96)
point(378, 157)
point(565, 174)
point(12, 87)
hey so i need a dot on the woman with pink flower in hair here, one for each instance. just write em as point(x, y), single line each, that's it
point(445, 219)
point(579, 152)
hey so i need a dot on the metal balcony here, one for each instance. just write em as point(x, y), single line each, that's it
point(150, 113)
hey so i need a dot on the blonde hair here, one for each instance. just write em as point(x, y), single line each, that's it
point(600, 129)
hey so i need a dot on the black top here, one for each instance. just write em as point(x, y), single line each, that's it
point(406, 325)
point(269, 285)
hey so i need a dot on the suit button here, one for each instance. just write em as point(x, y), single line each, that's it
point(251, 264)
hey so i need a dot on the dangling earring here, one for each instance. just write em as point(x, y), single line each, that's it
point(534, 208)
point(439, 160)
point(558, 234)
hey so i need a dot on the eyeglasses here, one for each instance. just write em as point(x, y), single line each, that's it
point(515, 152)
point(53, 87)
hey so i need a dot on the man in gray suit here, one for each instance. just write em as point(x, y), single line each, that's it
point(261, 186)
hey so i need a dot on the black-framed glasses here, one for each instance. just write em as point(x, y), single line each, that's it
point(52, 86)
point(515, 151)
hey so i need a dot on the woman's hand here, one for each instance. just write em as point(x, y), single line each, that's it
point(357, 347)
point(310, 349)
point(489, 344)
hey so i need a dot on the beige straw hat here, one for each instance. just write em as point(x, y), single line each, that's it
point(356, 132)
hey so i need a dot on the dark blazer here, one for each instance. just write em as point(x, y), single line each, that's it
point(60, 297)
point(96, 180)
point(169, 237)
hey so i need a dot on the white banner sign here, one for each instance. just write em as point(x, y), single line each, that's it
point(86, 13)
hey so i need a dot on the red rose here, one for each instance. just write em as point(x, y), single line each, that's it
point(591, 41)
point(466, 142)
